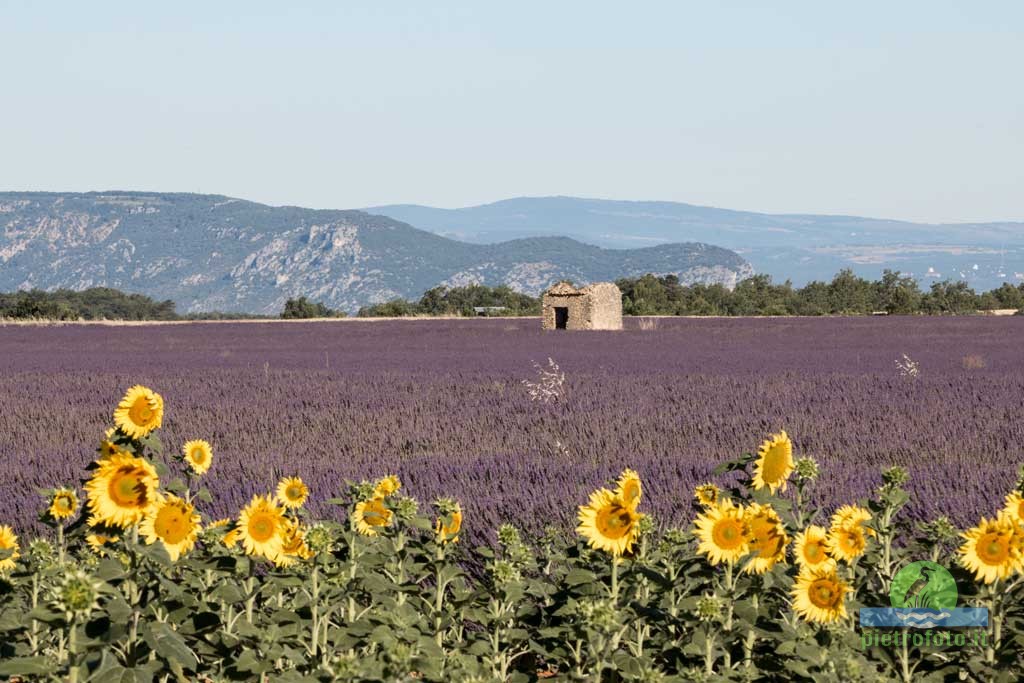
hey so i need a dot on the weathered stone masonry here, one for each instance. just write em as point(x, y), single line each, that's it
point(594, 307)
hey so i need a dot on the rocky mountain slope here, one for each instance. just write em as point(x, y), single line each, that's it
point(798, 247)
point(209, 252)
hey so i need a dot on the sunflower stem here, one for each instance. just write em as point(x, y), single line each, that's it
point(315, 607)
point(439, 597)
point(709, 651)
point(751, 639)
point(72, 653)
point(615, 580)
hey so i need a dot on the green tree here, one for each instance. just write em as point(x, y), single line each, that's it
point(303, 308)
point(898, 294)
point(951, 297)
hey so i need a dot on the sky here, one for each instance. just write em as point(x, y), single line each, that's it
point(911, 110)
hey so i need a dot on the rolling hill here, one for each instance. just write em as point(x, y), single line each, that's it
point(210, 252)
point(800, 247)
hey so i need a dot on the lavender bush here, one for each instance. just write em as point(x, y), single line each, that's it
point(443, 404)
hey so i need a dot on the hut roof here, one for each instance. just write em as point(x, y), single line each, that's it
point(564, 289)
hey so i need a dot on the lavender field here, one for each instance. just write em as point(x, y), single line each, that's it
point(442, 404)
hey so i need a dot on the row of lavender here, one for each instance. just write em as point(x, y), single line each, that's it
point(442, 404)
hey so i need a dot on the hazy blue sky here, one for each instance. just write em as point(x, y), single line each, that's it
point(904, 109)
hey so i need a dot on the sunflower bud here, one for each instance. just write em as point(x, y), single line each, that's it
point(941, 529)
point(319, 539)
point(344, 667)
point(42, 552)
point(645, 525)
point(895, 476)
point(504, 572)
point(508, 535)
point(709, 608)
point(406, 508)
point(807, 469)
point(361, 491)
point(600, 615)
point(401, 658)
point(650, 674)
point(77, 595)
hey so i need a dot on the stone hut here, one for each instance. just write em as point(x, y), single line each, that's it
point(594, 307)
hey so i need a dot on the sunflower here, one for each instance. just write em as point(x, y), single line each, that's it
point(852, 515)
point(608, 523)
point(109, 448)
point(707, 494)
point(386, 486)
point(847, 542)
point(818, 595)
point(218, 524)
point(1015, 507)
point(174, 522)
point(8, 542)
point(292, 492)
point(63, 504)
point(99, 542)
point(993, 549)
point(629, 488)
point(199, 455)
point(774, 463)
point(260, 528)
point(723, 533)
point(231, 538)
point(293, 547)
point(139, 412)
point(768, 539)
point(370, 515)
point(447, 528)
point(810, 547)
point(121, 490)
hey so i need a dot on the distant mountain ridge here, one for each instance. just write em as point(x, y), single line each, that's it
point(799, 247)
point(211, 252)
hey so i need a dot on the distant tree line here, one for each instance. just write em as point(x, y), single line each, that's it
point(501, 300)
point(303, 308)
point(97, 303)
point(846, 294)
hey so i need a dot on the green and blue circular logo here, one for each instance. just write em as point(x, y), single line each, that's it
point(923, 585)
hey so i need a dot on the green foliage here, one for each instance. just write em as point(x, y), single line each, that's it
point(846, 294)
point(303, 308)
point(409, 604)
point(98, 303)
point(503, 300)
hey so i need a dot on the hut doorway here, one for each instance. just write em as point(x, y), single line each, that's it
point(561, 317)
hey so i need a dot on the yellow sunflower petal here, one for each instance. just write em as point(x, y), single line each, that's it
point(608, 523)
point(370, 516)
point(121, 490)
point(173, 522)
point(261, 526)
point(292, 492)
point(723, 533)
point(994, 549)
point(768, 539)
point(63, 504)
point(8, 541)
point(819, 595)
point(774, 463)
point(198, 455)
point(139, 412)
